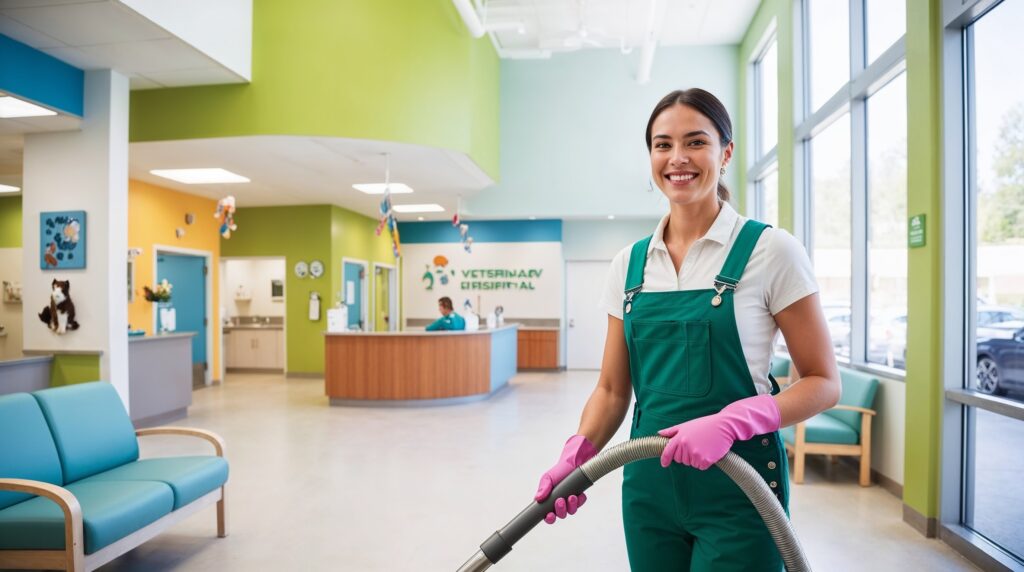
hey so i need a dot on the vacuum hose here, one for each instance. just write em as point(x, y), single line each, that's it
point(500, 543)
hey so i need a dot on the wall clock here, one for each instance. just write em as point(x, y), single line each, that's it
point(316, 269)
point(301, 269)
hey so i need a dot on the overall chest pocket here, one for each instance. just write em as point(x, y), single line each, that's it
point(674, 356)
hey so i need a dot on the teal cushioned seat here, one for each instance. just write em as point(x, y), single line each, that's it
point(859, 391)
point(27, 450)
point(188, 477)
point(823, 429)
point(90, 427)
point(780, 367)
point(110, 511)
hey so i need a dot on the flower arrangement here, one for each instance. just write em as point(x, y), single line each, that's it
point(160, 293)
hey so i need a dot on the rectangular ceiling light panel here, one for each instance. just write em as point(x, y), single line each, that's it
point(8, 189)
point(11, 107)
point(427, 208)
point(378, 188)
point(200, 176)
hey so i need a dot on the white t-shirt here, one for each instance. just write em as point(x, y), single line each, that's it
point(777, 274)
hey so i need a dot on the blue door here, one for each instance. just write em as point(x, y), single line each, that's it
point(187, 275)
point(353, 274)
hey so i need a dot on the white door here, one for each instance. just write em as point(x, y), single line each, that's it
point(586, 322)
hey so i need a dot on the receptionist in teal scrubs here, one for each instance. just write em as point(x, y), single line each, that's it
point(449, 320)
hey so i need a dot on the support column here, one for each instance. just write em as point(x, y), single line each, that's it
point(84, 170)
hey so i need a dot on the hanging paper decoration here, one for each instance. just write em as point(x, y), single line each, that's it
point(387, 214)
point(467, 241)
point(226, 214)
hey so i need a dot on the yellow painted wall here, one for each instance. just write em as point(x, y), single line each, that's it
point(153, 215)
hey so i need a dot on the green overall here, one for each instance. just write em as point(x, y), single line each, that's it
point(686, 361)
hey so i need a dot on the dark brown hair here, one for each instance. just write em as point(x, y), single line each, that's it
point(446, 303)
point(707, 105)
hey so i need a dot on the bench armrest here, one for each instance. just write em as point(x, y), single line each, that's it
point(74, 544)
point(213, 438)
point(855, 408)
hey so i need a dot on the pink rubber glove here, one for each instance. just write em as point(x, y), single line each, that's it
point(702, 442)
point(577, 450)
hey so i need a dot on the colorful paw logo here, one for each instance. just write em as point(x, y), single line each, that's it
point(438, 271)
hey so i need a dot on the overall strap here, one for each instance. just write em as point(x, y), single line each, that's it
point(736, 262)
point(637, 260)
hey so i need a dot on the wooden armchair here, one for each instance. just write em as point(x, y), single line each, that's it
point(843, 430)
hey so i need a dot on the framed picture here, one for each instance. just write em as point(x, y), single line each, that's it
point(62, 240)
point(12, 292)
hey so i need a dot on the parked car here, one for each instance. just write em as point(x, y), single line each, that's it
point(1001, 357)
point(888, 337)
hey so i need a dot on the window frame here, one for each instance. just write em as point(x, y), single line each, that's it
point(761, 162)
point(865, 80)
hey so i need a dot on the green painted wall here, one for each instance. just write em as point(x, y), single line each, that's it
point(924, 308)
point(296, 233)
point(10, 222)
point(354, 236)
point(306, 233)
point(68, 369)
point(782, 12)
point(403, 71)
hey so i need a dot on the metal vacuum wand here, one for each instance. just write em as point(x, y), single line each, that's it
point(500, 543)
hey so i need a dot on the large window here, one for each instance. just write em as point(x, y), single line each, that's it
point(828, 48)
point(887, 20)
point(983, 362)
point(993, 492)
point(887, 219)
point(830, 187)
point(852, 142)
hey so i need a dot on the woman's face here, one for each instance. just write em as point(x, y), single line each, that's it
point(687, 155)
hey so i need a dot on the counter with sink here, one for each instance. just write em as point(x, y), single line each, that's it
point(254, 344)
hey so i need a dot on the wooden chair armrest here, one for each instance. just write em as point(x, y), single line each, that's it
point(213, 438)
point(855, 408)
point(73, 535)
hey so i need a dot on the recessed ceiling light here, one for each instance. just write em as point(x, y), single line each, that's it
point(378, 188)
point(533, 218)
point(419, 218)
point(8, 189)
point(13, 107)
point(200, 176)
point(611, 217)
point(427, 208)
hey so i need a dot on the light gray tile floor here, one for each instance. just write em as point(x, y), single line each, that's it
point(315, 487)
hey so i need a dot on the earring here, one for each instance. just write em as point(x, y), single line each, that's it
point(650, 185)
point(722, 171)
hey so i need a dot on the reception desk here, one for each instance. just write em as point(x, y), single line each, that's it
point(418, 367)
point(159, 378)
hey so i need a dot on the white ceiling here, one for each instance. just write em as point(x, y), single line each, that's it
point(96, 34)
point(288, 170)
point(532, 26)
point(106, 34)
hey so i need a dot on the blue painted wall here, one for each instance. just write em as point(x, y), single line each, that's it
point(482, 231)
point(30, 74)
point(572, 130)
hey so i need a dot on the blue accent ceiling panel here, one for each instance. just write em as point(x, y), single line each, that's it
point(482, 231)
point(27, 73)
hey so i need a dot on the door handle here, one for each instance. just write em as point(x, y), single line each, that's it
point(572, 323)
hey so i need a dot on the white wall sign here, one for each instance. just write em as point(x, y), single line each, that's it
point(526, 278)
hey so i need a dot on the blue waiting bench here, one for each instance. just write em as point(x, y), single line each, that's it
point(74, 494)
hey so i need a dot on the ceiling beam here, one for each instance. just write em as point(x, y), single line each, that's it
point(654, 19)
